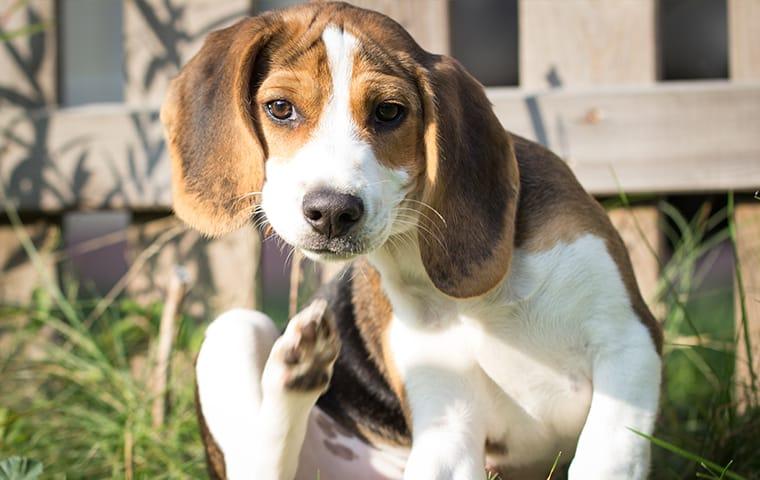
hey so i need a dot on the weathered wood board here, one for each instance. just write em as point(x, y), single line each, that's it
point(19, 277)
point(28, 60)
point(744, 39)
point(748, 250)
point(426, 20)
point(635, 139)
point(646, 139)
point(160, 37)
point(587, 42)
point(744, 66)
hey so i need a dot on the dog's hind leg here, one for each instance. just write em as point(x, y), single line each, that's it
point(256, 391)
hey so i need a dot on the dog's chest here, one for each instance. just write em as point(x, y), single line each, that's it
point(528, 388)
point(519, 360)
point(537, 389)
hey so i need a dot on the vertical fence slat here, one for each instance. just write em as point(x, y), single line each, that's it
point(592, 42)
point(641, 232)
point(587, 42)
point(18, 275)
point(744, 39)
point(32, 74)
point(160, 37)
point(28, 80)
point(426, 20)
point(747, 218)
point(744, 65)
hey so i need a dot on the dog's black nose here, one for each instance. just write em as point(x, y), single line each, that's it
point(331, 213)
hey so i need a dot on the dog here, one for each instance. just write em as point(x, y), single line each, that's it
point(489, 319)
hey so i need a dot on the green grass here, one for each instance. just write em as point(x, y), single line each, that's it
point(699, 432)
point(75, 394)
point(77, 398)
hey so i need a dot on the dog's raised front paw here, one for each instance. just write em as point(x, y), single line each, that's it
point(302, 358)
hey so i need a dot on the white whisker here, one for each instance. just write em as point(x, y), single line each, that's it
point(428, 206)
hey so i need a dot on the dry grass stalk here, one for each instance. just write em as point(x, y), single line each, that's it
point(176, 293)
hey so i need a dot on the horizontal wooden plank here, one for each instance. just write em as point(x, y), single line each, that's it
point(673, 137)
point(85, 158)
point(679, 137)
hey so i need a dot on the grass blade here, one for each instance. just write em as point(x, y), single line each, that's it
point(690, 456)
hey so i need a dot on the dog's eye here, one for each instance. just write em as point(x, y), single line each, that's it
point(387, 113)
point(280, 110)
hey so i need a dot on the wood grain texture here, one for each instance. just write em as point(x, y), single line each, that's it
point(640, 229)
point(744, 39)
point(747, 218)
point(18, 276)
point(676, 137)
point(28, 61)
point(587, 42)
point(88, 157)
point(426, 20)
point(695, 137)
point(744, 66)
point(161, 36)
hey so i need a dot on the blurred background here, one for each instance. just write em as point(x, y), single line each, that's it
point(655, 104)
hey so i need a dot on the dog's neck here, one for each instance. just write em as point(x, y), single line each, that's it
point(405, 280)
point(406, 283)
point(400, 263)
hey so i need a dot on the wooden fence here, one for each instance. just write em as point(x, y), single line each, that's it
point(589, 88)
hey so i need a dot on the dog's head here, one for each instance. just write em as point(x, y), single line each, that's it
point(345, 133)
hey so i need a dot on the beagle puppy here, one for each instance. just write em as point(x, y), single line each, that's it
point(490, 319)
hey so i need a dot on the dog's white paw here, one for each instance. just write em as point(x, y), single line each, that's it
point(302, 359)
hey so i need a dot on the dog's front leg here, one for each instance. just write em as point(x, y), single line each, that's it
point(297, 371)
point(448, 432)
point(626, 383)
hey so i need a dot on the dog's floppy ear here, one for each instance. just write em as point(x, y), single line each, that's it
point(217, 158)
point(471, 180)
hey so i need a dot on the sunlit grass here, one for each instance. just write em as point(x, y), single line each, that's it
point(79, 399)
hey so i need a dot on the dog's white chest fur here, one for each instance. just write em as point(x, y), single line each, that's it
point(517, 364)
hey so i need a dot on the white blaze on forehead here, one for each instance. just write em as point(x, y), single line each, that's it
point(341, 47)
